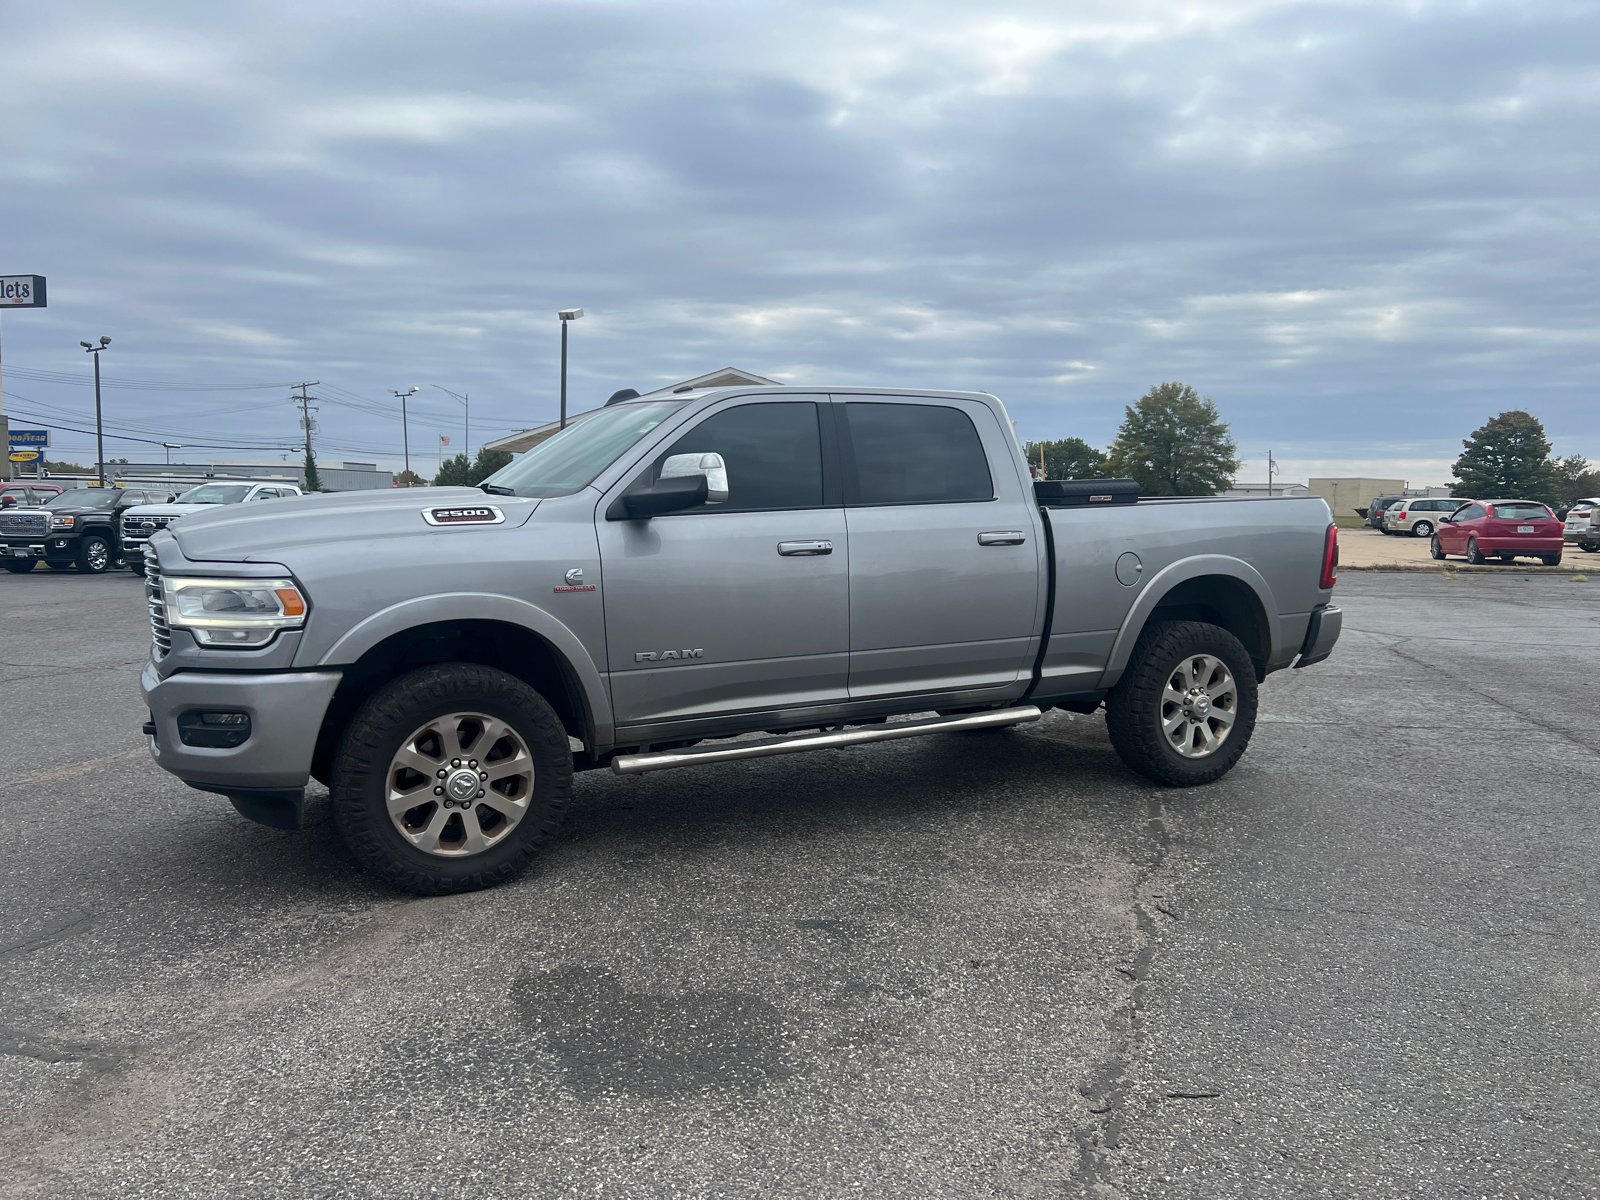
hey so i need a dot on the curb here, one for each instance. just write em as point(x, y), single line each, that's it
point(1469, 569)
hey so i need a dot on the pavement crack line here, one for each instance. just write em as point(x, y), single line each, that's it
point(82, 768)
point(1555, 731)
point(1107, 1086)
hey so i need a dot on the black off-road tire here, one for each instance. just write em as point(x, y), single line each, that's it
point(1133, 708)
point(91, 563)
point(19, 566)
point(376, 733)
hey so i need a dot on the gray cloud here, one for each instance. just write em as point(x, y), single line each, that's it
point(1361, 228)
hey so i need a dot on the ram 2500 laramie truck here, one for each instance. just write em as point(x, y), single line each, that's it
point(669, 574)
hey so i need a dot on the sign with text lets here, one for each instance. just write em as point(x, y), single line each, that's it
point(22, 291)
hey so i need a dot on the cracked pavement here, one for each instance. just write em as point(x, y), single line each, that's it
point(970, 965)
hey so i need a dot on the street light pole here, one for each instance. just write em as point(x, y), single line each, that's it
point(566, 314)
point(169, 447)
point(99, 431)
point(405, 429)
point(466, 440)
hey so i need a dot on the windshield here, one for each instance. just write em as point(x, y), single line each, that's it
point(85, 498)
point(569, 460)
point(215, 493)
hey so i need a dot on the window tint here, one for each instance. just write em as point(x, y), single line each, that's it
point(1471, 512)
point(1521, 512)
point(916, 454)
point(773, 453)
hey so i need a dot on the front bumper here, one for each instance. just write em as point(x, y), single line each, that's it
point(37, 547)
point(1322, 633)
point(286, 710)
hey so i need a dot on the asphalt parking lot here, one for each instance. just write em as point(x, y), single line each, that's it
point(1366, 963)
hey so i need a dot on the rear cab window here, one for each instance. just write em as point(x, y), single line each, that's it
point(915, 454)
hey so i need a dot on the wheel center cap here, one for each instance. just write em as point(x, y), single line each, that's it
point(462, 784)
point(1199, 705)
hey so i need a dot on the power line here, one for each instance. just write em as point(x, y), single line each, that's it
point(151, 385)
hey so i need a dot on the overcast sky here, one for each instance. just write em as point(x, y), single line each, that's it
point(1362, 229)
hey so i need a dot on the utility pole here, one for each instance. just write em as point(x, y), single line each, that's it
point(405, 429)
point(307, 424)
point(99, 432)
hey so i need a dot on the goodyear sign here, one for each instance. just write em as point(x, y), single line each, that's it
point(22, 291)
point(30, 439)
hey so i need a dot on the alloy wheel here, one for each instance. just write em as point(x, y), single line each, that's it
point(1199, 705)
point(459, 784)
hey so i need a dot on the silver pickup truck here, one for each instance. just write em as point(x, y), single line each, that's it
point(715, 575)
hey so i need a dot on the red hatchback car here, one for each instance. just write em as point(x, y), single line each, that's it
point(1484, 529)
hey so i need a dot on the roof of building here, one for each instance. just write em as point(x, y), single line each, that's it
point(527, 439)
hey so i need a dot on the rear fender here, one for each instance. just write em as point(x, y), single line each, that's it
point(1162, 584)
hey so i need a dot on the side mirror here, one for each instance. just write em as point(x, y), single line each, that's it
point(664, 496)
point(680, 466)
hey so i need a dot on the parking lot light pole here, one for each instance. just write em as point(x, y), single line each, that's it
point(99, 432)
point(169, 447)
point(566, 314)
point(405, 432)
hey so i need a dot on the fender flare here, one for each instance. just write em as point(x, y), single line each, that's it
point(1169, 577)
point(482, 606)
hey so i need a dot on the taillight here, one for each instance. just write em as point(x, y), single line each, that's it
point(1401, 517)
point(1330, 558)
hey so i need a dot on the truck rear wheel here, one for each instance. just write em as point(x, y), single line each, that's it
point(1185, 707)
point(451, 778)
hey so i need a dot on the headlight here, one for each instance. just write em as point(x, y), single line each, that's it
point(238, 613)
point(61, 522)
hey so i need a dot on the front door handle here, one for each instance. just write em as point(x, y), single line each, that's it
point(1008, 537)
point(805, 549)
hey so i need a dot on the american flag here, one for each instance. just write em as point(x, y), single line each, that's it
point(443, 441)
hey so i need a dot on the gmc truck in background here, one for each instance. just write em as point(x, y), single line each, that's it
point(664, 578)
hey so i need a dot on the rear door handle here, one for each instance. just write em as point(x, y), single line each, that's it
point(805, 549)
point(1008, 537)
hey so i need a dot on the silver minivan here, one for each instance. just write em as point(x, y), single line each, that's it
point(1418, 515)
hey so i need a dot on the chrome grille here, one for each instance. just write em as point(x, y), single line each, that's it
point(160, 631)
point(145, 525)
point(24, 524)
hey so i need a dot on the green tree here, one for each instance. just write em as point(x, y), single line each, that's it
point(460, 472)
point(1067, 458)
point(313, 480)
point(409, 479)
point(1508, 458)
point(1175, 443)
point(455, 472)
point(1578, 479)
point(65, 468)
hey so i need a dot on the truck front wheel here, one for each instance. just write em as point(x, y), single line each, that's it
point(451, 778)
point(1185, 707)
point(94, 555)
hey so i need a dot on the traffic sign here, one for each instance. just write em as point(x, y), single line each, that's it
point(22, 291)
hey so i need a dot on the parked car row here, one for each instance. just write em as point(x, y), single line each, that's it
point(96, 529)
point(1480, 530)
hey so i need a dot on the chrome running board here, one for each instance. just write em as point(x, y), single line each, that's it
point(638, 764)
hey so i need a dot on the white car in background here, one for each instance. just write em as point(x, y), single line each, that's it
point(1583, 524)
point(143, 520)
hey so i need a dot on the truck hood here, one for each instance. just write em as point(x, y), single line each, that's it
point(167, 510)
point(361, 520)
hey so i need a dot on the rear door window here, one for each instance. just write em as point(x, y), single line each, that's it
point(916, 454)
